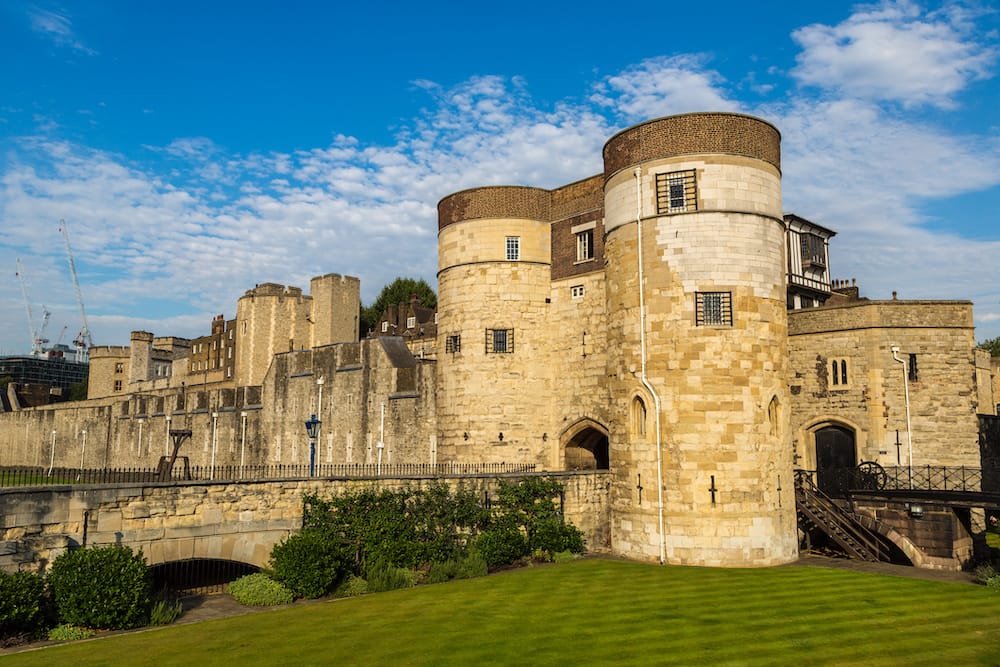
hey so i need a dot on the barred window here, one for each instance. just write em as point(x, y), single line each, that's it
point(453, 343)
point(676, 192)
point(513, 248)
point(713, 308)
point(499, 341)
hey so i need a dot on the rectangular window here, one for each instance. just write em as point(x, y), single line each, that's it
point(576, 291)
point(838, 374)
point(713, 308)
point(411, 322)
point(813, 251)
point(513, 248)
point(385, 327)
point(499, 341)
point(914, 376)
point(118, 385)
point(453, 343)
point(585, 246)
point(119, 367)
point(676, 192)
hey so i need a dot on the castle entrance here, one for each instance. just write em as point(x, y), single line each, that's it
point(587, 449)
point(836, 457)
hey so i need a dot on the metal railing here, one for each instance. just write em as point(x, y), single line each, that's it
point(43, 476)
point(837, 482)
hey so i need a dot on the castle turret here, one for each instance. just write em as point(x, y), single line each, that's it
point(141, 356)
point(493, 290)
point(697, 334)
point(336, 306)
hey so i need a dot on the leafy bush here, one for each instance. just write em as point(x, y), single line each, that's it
point(564, 556)
point(552, 536)
point(983, 573)
point(21, 603)
point(104, 587)
point(501, 544)
point(383, 576)
point(472, 565)
point(440, 572)
point(352, 587)
point(259, 590)
point(165, 612)
point(994, 582)
point(311, 563)
point(67, 632)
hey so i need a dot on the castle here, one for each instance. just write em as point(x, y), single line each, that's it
point(664, 320)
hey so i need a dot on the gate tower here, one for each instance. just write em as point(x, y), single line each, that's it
point(697, 332)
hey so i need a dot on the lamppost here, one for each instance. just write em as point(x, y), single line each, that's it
point(312, 428)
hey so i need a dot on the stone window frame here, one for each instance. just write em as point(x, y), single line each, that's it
point(577, 291)
point(453, 343)
point(912, 372)
point(119, 367)
point(713, 309)
point(499, 341)
point(839, 373)
point(639, 417)
point(118, 385)
point(676, 192)
point(513, 247)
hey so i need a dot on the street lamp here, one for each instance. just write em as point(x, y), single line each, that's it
point(312, 428)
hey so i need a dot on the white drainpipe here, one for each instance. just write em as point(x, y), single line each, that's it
point(906, 396)
point(645, 380)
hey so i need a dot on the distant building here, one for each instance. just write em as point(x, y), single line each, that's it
point(413, 322)
point(42, 380)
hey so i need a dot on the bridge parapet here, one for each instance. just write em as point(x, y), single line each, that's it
point(238, 521)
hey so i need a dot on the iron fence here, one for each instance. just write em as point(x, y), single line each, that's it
point(836, 482)
point(43, 476)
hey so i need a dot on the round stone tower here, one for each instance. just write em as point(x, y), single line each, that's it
point(493, 382)
point(697, 331)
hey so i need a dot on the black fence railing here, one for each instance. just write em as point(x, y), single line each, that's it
point(836, 482)
point(43, 476)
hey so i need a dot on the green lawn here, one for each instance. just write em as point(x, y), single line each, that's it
point(594, 612)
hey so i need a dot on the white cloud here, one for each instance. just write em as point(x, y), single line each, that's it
point(59, 28)
point(893, 51)
point(663, 86)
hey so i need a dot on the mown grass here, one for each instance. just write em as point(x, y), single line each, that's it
point(595, 612)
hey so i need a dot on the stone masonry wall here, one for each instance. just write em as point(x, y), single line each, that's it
point(224, 520)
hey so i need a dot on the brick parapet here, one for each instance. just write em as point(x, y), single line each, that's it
point(690, 134)
point(499, 201)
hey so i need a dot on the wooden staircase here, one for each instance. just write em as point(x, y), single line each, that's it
point(818, 512)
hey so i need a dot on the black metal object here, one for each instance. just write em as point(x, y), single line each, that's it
point(197, 576)
point(39, 475)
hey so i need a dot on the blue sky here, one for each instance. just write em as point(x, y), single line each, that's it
point(197, 149)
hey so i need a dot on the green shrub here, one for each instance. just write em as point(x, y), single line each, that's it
point(104, 587)
point(994, 582)
point(21, 596)
point(472, 565)
point(501, 544)
point(352, 587)
point(259, 590)
point(165, 612)
point(552, 536)
point(67, 633)
point(440, 572)
point(983, 573)
point(383, 576)
point(564, 556)
point(310, 564)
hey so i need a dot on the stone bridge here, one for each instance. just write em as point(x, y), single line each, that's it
point(237, 521)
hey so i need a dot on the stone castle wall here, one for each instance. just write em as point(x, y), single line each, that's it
point(943, 397)
point(223, 520)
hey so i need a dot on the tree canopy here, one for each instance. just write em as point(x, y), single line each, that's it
point(991, 344)
point(400, 290)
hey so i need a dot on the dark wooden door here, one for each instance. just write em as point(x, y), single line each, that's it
point(835, 458)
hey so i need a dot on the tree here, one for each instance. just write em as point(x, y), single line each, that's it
point(400, 290)
point(991, 344)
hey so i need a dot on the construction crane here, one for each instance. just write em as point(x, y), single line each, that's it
point(38, 339)
point(83, 342)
